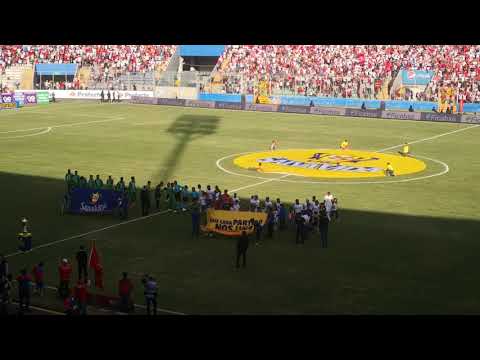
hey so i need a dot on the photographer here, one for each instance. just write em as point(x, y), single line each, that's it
point(150, 292)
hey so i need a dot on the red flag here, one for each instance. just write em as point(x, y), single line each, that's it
point(94, 263)
point(94, 259)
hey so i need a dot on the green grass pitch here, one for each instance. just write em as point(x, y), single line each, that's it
point(400, 247)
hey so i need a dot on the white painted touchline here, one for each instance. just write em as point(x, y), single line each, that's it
point(431, 138)
point(66, 125)
point(47, 130)
point(90, 232)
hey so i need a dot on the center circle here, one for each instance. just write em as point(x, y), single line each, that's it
point(329, 163)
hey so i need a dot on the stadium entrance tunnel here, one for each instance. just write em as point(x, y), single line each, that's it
point(329, 163)
point(186, 128)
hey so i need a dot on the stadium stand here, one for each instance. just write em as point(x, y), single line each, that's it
point(348, 71)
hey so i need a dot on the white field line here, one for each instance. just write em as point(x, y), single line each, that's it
point(444, 171)
point(431, 138)
point(66, 125)
point(89, 233)
point(136, 305)
point(40, 309)
point(259, 183)
point(47, 130)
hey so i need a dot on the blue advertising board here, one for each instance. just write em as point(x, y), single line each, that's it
point(416, 77)
point(92, 201)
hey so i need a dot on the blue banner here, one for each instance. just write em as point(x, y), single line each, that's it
point(416, 77)
point(91, 201)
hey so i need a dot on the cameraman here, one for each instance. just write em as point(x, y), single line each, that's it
point(150, 292)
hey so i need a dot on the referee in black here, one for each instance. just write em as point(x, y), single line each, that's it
point(242, 247)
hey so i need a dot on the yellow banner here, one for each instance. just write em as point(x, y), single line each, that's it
point(232, 223)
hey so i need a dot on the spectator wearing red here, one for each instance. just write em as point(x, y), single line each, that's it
point(125, 290)
point(65, 273)
point(226, 200)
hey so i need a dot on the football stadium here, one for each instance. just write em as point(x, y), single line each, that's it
point(239, 179)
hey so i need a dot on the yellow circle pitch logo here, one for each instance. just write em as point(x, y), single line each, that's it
point(327, 163)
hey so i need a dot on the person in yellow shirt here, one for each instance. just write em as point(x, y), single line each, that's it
point(389, 170)
point(406, 150)
point(344, 145)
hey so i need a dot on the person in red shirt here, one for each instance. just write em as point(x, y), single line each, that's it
point(125, 289)
point(38, 274)
point(65, 272)
point(225, 200)
point(80, 294)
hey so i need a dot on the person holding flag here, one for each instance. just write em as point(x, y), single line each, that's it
point(94, 263)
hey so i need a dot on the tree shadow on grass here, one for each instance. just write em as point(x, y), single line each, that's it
point(376, 262)
point(186, 129)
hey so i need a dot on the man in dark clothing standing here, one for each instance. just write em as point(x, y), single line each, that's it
point(108, 96)
point(300, 222)
point(24, 288)
point(145, 198)
point(257, 228)
point(270, 223)
point(82, 259)
point(158, 194)
point(242, 247)
point(195, 219)
point(102, 96)
point(323, 226)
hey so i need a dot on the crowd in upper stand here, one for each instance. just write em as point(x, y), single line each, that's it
point(347, 71)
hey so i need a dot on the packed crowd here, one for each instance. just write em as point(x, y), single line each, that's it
point(349, 70)
point(111, 60)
